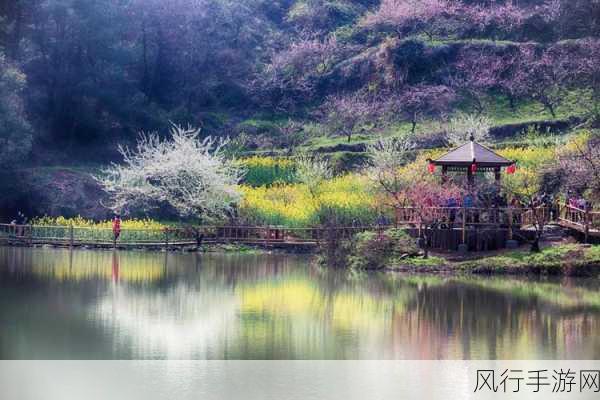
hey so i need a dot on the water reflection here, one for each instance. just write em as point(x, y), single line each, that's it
point(102, 304)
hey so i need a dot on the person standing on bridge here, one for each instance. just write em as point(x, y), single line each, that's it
point(116, 227)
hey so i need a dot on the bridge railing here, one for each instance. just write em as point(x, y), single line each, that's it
point(585, 221)
point(276, 234)
point(464, 218)
point(469, 216)
point(71, 235)
point(537, 216)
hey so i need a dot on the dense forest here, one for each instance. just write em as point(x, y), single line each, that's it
point(77, 76)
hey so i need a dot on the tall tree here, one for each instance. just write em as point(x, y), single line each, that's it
point(15, 131)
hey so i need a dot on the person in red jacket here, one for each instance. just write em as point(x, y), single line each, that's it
point(116, 226)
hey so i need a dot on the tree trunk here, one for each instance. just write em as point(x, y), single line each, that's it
point(511, 102)
point(535, 245)
point(16, 34)
point(425, 239)
point(551, 109)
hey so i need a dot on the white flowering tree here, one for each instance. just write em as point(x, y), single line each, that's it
point(460, 129)
point(196, 177)
point(313, 170)
point(387, 156)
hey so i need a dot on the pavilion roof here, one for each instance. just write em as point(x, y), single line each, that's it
point(471, 152)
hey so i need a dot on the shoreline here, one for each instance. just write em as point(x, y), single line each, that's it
point(555, 259)
point(205, 248)
point(586, 270)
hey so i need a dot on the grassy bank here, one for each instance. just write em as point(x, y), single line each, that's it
point(562, 260)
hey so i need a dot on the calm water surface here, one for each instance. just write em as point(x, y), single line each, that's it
point(58, 304)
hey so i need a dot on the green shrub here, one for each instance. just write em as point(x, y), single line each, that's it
point(374, 250)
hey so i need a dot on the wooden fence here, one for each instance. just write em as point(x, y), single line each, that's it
point(446, 228)
point(174, 237)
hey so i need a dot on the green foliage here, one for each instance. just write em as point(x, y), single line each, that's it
point(259, 127)
point(344, 161)
point(267, 171)
point(16, 134)
point(372, 250)
point(322, 14)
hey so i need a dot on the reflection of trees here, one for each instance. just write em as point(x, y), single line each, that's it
point(318, 316)
point(462, 319)
point(141, 267)
point(180, 305)
point(62, 265)
point(180, 322)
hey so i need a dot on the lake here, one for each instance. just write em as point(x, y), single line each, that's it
point(84, 304)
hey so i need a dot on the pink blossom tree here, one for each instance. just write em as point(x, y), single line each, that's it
point(416, 103)
point(413, 16)
point(445, 17)
point(350, 113)
point(550, 10)
point(424, 197)
point(543, 74)
point(581, 161)
point(477, 71)
point(497, 20)
point(587, 66)
point(294, 72)
point(513, 81)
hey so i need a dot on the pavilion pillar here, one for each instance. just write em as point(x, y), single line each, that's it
point(497, 174)
point(470, 176)
point(444, 174)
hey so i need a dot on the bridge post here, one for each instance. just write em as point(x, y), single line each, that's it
point(511, 243)
point(199, 238)
point(71, 236)
point(510, 224)
point(463, 247)
point(587, 225)
point(464, 225)
point(268, 235)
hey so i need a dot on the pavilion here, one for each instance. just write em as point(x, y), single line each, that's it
point(472, 157)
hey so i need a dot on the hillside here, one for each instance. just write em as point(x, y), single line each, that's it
point(284, 76)
point(252, 66)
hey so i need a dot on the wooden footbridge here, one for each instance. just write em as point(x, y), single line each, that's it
point(585, 222)
point(446, 228)
point(171, 238)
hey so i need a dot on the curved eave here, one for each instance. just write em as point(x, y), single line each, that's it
point(466, 164)
point(472, 152)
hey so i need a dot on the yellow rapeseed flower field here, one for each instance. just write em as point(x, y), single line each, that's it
point(292, 205)
point(80, 222)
